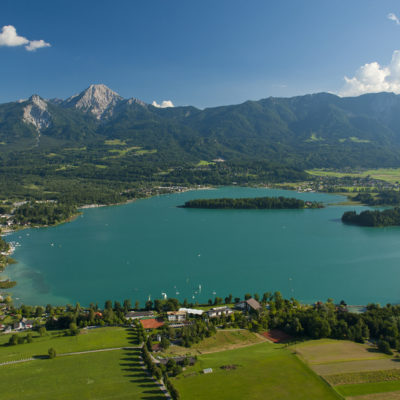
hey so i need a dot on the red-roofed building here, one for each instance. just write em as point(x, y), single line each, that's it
point(151, 323)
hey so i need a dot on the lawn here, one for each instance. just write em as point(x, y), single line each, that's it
point(262, 371)
point(88, 339)
point(222, 340)
point(100, 376)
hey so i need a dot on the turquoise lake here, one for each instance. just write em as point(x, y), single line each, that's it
point(150, 247)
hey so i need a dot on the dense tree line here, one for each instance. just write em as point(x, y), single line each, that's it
point(383, 198)
point(43, 213)
point(376, 218)
point(252, 203)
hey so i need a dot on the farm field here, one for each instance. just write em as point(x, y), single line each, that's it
point(262, 371)
point(104, 375)
point(391, 175)
point(88, 339)
point(356, 371)
point(222, 340)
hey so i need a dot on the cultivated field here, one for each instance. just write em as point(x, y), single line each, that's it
point(391, 175)
point(356, 371)
point(262, 371)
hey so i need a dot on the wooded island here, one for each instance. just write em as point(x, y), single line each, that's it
point(390, 217)
point(260, 203)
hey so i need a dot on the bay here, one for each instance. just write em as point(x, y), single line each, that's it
point(150, 247)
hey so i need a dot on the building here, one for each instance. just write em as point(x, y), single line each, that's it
point(176, 316)
point(28, 323)
point(219, 312)
point(132, 315)
point(249, 305)
point(192, 311)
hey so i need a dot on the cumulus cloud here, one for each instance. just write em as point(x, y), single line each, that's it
point(164, 104)
point(393, 17)
point(374, 78)
point(9, 37)
point(36, 44)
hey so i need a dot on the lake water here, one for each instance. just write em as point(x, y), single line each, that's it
point(151, 247)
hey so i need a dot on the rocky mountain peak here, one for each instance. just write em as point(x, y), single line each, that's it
point(36, 113)
point(97, 99)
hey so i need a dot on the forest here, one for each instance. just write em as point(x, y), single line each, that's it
point(375, 218)
point(252, 203)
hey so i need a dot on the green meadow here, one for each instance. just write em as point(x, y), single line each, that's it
point(262, 371)
point(104, 375)
point(88, 339)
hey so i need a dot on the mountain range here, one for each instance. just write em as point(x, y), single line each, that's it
point(317, 130)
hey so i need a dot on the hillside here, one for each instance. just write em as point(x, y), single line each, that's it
point(100, 140)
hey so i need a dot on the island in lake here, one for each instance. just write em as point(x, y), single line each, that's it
point(259, 203)
point(375, 218)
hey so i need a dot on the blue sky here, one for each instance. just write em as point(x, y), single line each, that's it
point(204, 53)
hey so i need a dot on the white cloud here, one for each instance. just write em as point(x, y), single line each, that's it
point(37, 44)
point(164, 104)
point(374, 78)
point(393, 17)
point(9, 37)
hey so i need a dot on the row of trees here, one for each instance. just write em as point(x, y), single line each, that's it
point(161, 371)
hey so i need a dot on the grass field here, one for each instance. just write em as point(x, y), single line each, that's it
point(106, 375)
point(391, 175)
point(262, 371)
point(222, 340)
point(88, 339)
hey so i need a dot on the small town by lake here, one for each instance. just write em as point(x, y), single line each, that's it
point(152, 248)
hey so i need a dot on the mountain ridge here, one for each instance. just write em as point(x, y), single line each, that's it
point(314, 130)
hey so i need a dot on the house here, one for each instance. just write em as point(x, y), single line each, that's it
point(253, 305)
point(151, 323)
point(219, 312)
point(28, 323)
point(176, 316)
point(18, 326)
point(249, 305)
point(132, 315)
